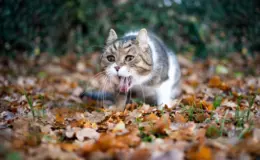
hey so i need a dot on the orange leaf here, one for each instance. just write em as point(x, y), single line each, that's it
point(200, 117)
point(206, 105)
point(162, 124)
point(73, 84)
point(201, 133)
point(179, 118)
point(105, 141)
point(59, 118)
point(188, 100)
point(214, 81)
point(143, 154)
point(151, 117)
point(18, 143)
point(77, 123)
point(108, 141)
point(131, 139)
point(69, 147)
point(224, 87)
point(200, 153)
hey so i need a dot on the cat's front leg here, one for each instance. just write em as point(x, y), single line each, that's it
point(120, 101)
point(164, 95)
point(164, 99)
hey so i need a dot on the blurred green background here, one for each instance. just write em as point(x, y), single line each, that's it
point(202, 27)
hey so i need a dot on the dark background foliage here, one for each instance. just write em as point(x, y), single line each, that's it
point(203, 27)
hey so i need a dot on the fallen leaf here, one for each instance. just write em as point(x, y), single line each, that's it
point(200, 152)
point(120, 127)
point(59, 118)
point(68, 147)
point(151, 117)
point(220, 69)
point(174, 154)
point(215, 82)
point(162, 124)
point(143, 154)
point(87, 133)
point(179, 118)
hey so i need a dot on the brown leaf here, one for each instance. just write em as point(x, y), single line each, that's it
point(179, 118)
point(143, 154)
point(59, 118)
point(201, 117)
point(120, 127)
point(162, 124)
point(215, 82)
point(68, 147)
point(188, 100)
point(151, 117)
point(200, 152)
point(87, 133)
point(206, 105)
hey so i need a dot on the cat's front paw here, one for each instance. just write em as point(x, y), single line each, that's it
point(117, 108)
point(169, 104)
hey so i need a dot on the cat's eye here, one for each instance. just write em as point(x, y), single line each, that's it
point(129, 58)
point(111, 58)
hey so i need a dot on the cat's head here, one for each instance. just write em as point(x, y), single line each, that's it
point(129, 59)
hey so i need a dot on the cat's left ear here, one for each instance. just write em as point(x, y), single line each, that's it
point(142, 39)
point(112, 36)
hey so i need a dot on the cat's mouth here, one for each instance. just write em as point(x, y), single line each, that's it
point(125, 83)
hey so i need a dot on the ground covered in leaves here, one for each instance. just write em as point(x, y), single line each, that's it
point(42, 117)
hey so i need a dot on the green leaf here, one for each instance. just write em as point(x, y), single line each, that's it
point(217, 101)
point(14, 156)
point(220, 69)
point(238, 74)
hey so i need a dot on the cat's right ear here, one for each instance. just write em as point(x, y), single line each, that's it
point(142, 38)
point(112, 36)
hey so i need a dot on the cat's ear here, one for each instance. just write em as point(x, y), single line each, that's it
point(142, 39)
point(112, 36)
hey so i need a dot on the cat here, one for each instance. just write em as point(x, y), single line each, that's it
point(139, 63)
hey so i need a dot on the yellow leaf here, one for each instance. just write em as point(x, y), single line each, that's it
point(119, 127)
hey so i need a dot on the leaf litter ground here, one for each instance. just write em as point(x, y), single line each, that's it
point(217, 115)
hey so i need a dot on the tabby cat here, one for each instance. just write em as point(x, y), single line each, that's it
point(142, 65)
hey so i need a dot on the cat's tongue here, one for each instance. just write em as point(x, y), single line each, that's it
point(124, 84)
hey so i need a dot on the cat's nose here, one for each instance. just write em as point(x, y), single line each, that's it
point(117, 68)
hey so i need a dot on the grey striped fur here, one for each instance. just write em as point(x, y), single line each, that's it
point(154, 66)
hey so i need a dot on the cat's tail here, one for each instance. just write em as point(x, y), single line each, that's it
point(97, 95)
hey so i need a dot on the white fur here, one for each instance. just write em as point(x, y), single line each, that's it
point(138, 80)
point(155, 55)
point(123, 71)
point(142, 79)
point(165, 90)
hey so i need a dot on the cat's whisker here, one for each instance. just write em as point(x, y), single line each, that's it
point(142, 92)
point(103, 93)
point(99, 74)
point(100, 89)
point(107, 83)
point(130, 97)
point(103, 90)
point(143, 57)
